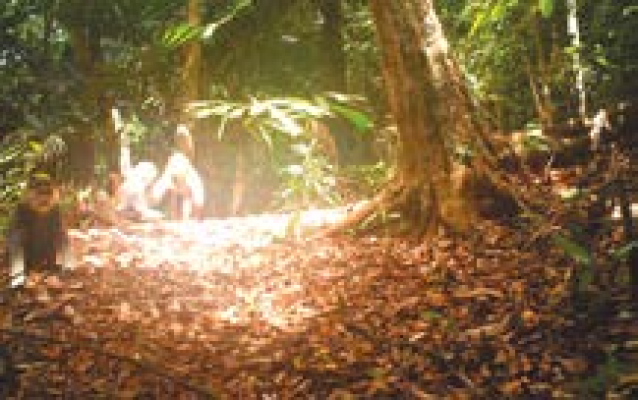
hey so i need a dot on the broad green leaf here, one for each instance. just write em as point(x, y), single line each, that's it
point(284, 122)
point(575, 250)
point(585, 278)
point(546, 7)
point(35, 146)
point(180, 34)
point(478, 22)
point(257, 107)
point(431, 315)
point(498, 11)
point(624, 251)
point(361, 121)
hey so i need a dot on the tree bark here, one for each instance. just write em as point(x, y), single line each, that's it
point(192, 56)
point(433, 115)
point(573, 29)
point(332, 45)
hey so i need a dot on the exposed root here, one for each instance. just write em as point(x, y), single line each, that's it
point(360, 212)
point(416, 205)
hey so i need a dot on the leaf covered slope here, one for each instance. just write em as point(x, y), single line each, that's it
point(217, 309)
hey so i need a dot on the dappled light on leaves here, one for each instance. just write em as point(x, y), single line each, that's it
point(235, 308)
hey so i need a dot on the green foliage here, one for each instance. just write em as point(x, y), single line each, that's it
point(21, 154)
point(546, 7)
point(606, 376)
point(311, 182)
point(623, 252)
point(283, 125)
point(362, 180)
point(270, 118)
point(341, 105)
point(489, 35)
point(287, 128)
point(177, 35)
point(575, 250)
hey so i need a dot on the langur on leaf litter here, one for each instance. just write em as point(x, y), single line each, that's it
point(132, 191)
point(180, 183)
point(37, 239)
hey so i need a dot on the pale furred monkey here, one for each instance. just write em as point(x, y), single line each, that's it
point(180, 183)
point(132, 197)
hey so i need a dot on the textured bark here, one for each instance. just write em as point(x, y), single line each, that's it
point(432, 112)
point(86, 50)
point(192, 71)
point(332, 45)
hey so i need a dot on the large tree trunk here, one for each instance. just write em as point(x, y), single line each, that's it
point(86, 49)
point(191, 74)
point(332, 45)
point(433, 114)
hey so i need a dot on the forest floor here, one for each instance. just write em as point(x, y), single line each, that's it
point(232, 309)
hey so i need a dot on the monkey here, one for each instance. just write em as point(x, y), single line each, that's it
point(180, 183)
point(37, 239)
point(131, 187)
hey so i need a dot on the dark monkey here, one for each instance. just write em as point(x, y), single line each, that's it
point(37, 239)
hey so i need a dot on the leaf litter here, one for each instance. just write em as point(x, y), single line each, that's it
point(230, 309)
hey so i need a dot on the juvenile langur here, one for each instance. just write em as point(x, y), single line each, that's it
point(180, 183)
point(37, 239)
point(133, 189)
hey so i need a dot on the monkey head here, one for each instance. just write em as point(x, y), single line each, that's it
point(42, 194)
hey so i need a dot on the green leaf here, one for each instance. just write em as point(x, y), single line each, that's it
point(180, 34)
point(546, 7)
point(498, 11)
point(431, 315)
point(478, 22)
point(575, 250)
point(623, 252)
point(361, 121)
point(630, 10)
point(284, 122)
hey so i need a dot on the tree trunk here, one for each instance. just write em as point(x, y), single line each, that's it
point(332, 45)
point(574, 31)
point(193, 56)
point(434, 117)
point(87, 57)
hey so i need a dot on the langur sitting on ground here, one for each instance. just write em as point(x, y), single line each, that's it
point(37, 238)
point(180, 184)
point(131, 190)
